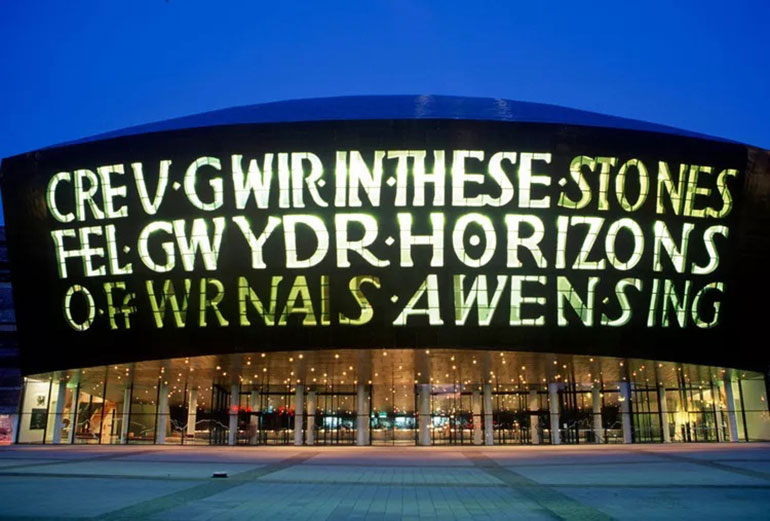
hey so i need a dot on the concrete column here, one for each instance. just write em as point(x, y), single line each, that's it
point(553, 409)
point(596, 402)
point(489, 432)
point(160, 428)
point(311, 406)
point(423, 411)
point(15, 427)
point(732, 420)
point(625, 410)
point(533, 405)
point(476, 412)
point(715, 395)
point(126, 414)
point(663, 405)
point(362, 415)
point(192, 411)
point(299, 414)
point(235, 402)
point(73, 414)
point(254, 418)
point(59, 412)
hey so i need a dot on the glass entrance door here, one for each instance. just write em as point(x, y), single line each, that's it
point(451, 416)
point(335, 418)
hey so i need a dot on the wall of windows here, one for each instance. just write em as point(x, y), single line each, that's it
point(441, 397)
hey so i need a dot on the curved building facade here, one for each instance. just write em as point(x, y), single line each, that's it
point(391, 270)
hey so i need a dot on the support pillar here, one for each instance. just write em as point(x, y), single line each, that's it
point(311, 406)
point(533, 406)
point(192, 411)
point(596, 402)
point(423, 411)
point(732, 420)
point(625, 410)
point(253, 418)
point(476, 411)
point(362, 415)
point(489, 432)
point(663, 407)
point(299, 414)
point(235, 403)
point(160, 428)
point(715, 395)
point(59, 412)
point(126, 414)
point(553, 409)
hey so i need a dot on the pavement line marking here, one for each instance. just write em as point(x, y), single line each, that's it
point(553, 501)
point(713, 465)
point(64, 461)
point(209, 488)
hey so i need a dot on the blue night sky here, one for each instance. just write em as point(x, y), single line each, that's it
point(73, 69)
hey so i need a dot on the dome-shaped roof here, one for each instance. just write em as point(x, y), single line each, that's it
point(397, 107)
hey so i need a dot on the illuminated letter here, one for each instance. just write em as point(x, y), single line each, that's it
point(420, 176)
point(609, 243)
point(199, 240)
point(299, 302)
point(245, 293)
point(168, 297)
point(290, 237)
point(714, 286)
point(517, 300)
point(436, 240)
point(594, 226)
point(50, 197)
point(213, 303)
point(477, 293)
point(663, 238)
point(433, 312)
point(625, 307)
point(86, 195)
point(693, 189)
point(125, 309)
point(256, 244)
point(575, 170)
point(62, 255)
point(150, 207)
point(109, 193)
point(255, 182)
point(490, 239)
point(349, 178)
point(724, 192)
point(497, 173)
point(566, 293)
point(312, 180)
point(91, 308)
point(708, 240)
point(620, 185)
point(367, 312)
point(112, 254)
point(666, 184)
point(369, 224)
point(190, 180)
point(678, 303)
point(604, 180)
point(527, 179)
point(168, 246)
point(460, 177)
point(532, 243)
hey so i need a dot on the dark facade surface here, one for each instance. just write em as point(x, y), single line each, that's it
point(10, 363)
point(49, 343)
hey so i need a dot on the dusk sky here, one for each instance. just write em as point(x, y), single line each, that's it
point(74, 69)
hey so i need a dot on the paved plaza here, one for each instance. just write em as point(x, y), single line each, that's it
point(639, 482)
